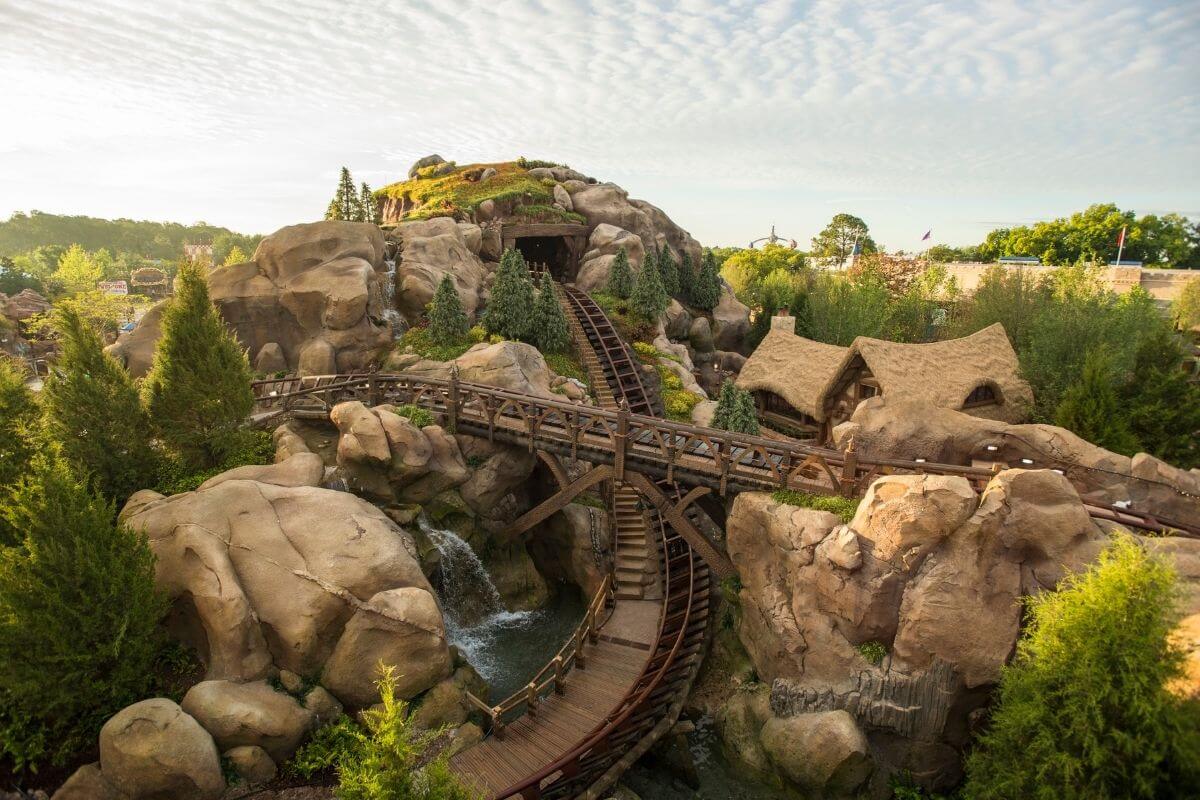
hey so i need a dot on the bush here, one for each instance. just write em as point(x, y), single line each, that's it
point(92, 411)
point(422, 343)
point(649, 298)
point(678, 404)
point(509, 308)
point(18, 415)
point(735, 411)
point(416, 415)
point(79, 618)
point(1084, 710)
point(706, 292)
point(476, 334)
point(568, 366)
point(249, 447)
point(872, 651)
point(549, 323)
point(1091, 408)
point(198, 391)
point(339, 741)
point(843, 507)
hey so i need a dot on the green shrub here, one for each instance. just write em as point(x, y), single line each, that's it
point(198, 391)
point(872, 651)
point(735, 411)
point(333, 744)
point(476, 334)
point(422, 343)
point(567, 365)
point(416, 415)
point(620, 312)
point(1084, 711)
point(549, 324)
point(843, 507)
point(649, 298)
point(678, 404)
point(706, 292)
point(1092, 409)
point(249, 447)
point(79, 618)
point(645, 351)
point(534, 163)
point(495, 338)
point(18, 415)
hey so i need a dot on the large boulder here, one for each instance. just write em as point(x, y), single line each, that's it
point(153, 750)
point(88, 783)
point(564, 547)
point(882, 427)
point(266, 577)
point(315, 290)
point(23, 305)
point(823, 752)
point(245, 714)
point(428, 251)
point(607, 203)
point(516, 366)
point(135, 349)
point(730, 321)
point(604, 242)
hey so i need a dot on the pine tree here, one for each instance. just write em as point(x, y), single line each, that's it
point(649, 299)
point(368, 209)
point(727, 401)
point(93, 413)
point(668, 271)
point(707, 291)
point(1163, 405)
point(1084, 711)
point(1091, 409)
point(620, 276)
point(550, 332)
point(198, 390)
point(511, 301)
point(345, 204)
point(745, 416)
point(447, 322)
point(79, 617)
point(687, 278)
point(236, 255)
point(18, 417)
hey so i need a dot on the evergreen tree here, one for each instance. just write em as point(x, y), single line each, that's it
point(620, 276)
point(368, 209)
point(687, 278)
point(345, 204)
point(1091, 409)
point(550, 332)
point(649, 299)
point(1163, 405)
point(745, 415)
point(511, 301)
point(93, 413)
point(727, 401)
point(79, 618)
point(668, 271)
point(18, 416)
point(198, 390)
point(707, 291)
point(1084, 710)
point(236, 255)
point(447, 322)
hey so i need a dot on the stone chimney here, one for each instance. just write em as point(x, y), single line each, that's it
point(783, 321)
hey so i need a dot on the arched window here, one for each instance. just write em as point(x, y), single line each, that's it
point(982, 395)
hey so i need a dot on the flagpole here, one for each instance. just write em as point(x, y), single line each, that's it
point(1121, 244)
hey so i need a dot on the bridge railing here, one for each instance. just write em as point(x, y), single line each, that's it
point(706, 455)
point(553, 676)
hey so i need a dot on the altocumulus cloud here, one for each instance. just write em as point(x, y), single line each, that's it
point(241, 112)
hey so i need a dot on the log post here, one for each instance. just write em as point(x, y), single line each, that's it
point(497, 723)
point(558, 675)
point(849, 469)
point(372, 391)
point(531, 699)
point(452, 401)
point(619, 440)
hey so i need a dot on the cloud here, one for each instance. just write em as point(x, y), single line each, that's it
point(818, 99)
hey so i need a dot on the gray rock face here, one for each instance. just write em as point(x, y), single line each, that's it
point(238, 714)
point(153, 750)
point(423, 162)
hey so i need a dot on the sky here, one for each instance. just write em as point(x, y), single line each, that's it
point(730, 116)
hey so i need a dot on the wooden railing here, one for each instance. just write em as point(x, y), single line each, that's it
point(553, 676)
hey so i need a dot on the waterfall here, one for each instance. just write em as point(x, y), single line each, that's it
point(475, 615)
point(390, 313)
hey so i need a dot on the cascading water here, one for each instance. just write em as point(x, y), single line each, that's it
point(505, 647)
point(390, 313)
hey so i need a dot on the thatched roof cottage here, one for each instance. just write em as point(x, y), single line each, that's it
point(805, 388)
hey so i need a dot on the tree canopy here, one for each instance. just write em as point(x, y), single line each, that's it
point(839, 238)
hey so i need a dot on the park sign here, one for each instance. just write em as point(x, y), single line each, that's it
point(113, 287)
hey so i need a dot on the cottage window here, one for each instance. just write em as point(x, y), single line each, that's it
point(981, 396)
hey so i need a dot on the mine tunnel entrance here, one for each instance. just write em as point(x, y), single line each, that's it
point(548, 252)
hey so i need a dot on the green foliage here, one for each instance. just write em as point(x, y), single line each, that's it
point(14, 279)
point(620, 277)
point(198, 390)
point(837, 241)
point(549, 323)
point(746, 270)
point(77, 271)
point(1083, 711)
point(620, 312)
point(508, 309)
point(333, 744)
point(649, 299)
point(418, 416)
point(1091, 408)
point(687, 278)
point(345, 204)
point(903, 788)
point(1163, 406)
point(679, 403)
point(103, 313)
point(567, 365)
point(668, 271)
point(421, 342)
point(646, 352)
point(368, 209)
point(18, 417)
point(872, 651)
point(707, 291)
point(1185, 309)
point(477, 334)
point(92, 411)
point(839, 310)
point(542, 212)
point(447, 321)
point(453, 195)
point(79, 618)
point(235, 256)
point(735, 411)
point(1013, 297)
point(843, 507)
point(534, 163)
point(249, 447)
point(383, 763)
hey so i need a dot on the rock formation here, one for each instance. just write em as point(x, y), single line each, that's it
point(427, 251)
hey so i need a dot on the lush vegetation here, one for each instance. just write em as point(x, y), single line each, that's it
point(18, 417)
point(454, 195)
point(844, 236)
point(677, 401)
point(353, 205)
point(1186, 308)
point(386, 758)
point(649, 298)
point(735, 410)
point(508, 309)
point(79, 617)
point(843, 507)
point(872, 651)
point(1084, 710)
point(420, 340)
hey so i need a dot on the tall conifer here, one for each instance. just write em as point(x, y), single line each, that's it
point(93, 412)
point(447, 322)
point(620, 276)
point(707, 291)
point(345, 204)
point(509, 308)
point(1091, 408)
point(550, 332)
point(368, 209)
point(668, 271)
point(649, 298)
point(687, 278)
point(198, 391)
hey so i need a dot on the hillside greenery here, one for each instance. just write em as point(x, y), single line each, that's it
point(456, 196)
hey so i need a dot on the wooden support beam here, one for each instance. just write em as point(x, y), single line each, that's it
point(556, 468)
point(717, 561)
point(559, 500)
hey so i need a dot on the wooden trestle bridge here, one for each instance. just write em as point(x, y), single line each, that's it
point(620, 681)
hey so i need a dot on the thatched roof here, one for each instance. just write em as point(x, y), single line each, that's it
point(795, 368)
point(805, 373)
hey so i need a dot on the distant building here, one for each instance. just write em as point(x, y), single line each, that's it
point(1164, 285)
point(149, 281)
point(805, 388)
point(198, 252)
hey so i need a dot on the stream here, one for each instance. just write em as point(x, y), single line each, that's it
point(507, 648)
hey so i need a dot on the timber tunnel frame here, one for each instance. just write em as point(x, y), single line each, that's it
point(560, 246)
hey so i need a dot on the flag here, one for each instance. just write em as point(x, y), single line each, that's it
point(928, 233)
point(1121, 237)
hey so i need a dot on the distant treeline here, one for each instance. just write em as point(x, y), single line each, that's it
point(23, 233)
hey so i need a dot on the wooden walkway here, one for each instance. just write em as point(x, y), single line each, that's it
point(590, 695)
